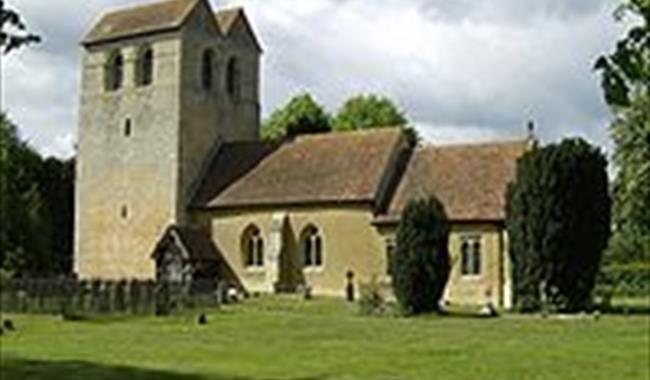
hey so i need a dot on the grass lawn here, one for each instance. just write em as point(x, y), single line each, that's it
point(282, 338)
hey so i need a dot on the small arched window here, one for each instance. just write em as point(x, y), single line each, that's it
point(127, 127)
point(311, 244)
point(115, 72)
point(233, 79)
point(476, 252)
point(207, 63)
point(391, 246)
point(470, 256)
point(145, 67)
point(253, 247)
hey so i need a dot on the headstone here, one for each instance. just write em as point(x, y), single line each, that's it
point(233, 294)
point(307, 292)
point(488, 310)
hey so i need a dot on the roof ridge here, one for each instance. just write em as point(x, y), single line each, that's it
point(136, 7)
point(351, 133)
point(228, 8)
point(110, 24)
point(478, 144)
point(227, 16)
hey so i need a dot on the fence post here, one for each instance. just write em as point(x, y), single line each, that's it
point(107, 298)
point(150, 296)
point(134, 296)
point(65, 294)
point(82, 291)
point(162, 298)
point(119, 299)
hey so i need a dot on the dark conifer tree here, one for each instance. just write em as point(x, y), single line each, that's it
point(558, 220)
point(420, 266)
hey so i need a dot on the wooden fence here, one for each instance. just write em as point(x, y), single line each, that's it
point(69, 297)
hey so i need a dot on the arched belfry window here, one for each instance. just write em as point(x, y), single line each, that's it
point(115, 72)
point(252, 247)
point(233, 79)
point(207, 67)
point(311, 247)
point(145, 67)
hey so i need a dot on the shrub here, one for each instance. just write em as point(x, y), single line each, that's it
point(629, 280)
point(420, 266)
point(558, 221)
point(371, 301)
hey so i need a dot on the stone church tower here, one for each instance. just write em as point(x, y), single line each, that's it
point(162, 86)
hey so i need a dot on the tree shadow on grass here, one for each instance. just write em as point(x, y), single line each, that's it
point(21, 369)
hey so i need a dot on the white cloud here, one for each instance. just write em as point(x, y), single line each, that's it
point(463, 70)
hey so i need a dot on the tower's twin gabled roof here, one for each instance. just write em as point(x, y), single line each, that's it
point(153, 18)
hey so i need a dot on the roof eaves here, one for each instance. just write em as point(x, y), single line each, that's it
point(143, 33)
point(281, 204)
point(89, 40)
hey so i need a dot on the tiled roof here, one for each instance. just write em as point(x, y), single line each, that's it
point(232, 162)
point(470, 180)
point(195, 243)
point(226, 18)
point(139, 20)
point(198, 243)
point(322, 168)
point(150, 18)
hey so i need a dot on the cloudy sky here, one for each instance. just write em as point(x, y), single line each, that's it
point(463, 70)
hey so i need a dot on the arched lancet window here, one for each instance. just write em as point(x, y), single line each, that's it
point(311, 244)
point(470, 256)
point(476, 253)
point(115, 72)
point(253, 247)
point(391, 246)
point(233, 79)
point(127, 127)
point(145, 67)
point(207, 63)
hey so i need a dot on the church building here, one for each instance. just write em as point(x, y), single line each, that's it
point(170, 159)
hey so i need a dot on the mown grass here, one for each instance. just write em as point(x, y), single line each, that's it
point(287, 338)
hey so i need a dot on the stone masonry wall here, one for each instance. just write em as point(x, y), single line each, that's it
point(126, 185)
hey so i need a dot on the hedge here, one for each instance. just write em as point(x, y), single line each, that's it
point(626, 280)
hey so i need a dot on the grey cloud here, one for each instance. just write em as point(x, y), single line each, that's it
point(494, 77)
point(516, 12)
point(463, 70)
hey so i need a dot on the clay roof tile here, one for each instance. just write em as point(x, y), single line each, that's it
point(132, 21)
point(322, 168)
point(470, 180)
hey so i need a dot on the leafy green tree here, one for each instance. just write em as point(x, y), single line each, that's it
point(626, 88)
point(301, 115)
point(57, 190)
point(10, 19)
point(420, 265)
point(558, 222)
point(631, 134)
point(368, 111)
point(25, 228)
point(626, 71)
